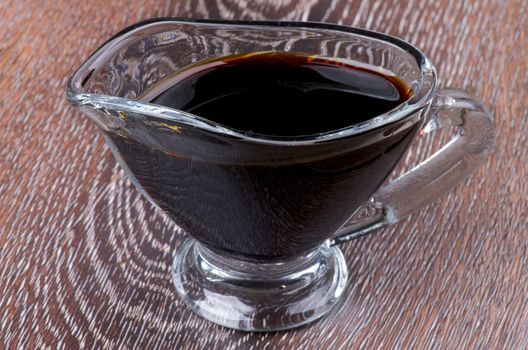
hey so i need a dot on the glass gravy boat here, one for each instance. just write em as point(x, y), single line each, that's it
point(265, 213)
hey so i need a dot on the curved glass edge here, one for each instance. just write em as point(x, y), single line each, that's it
point(424, 94)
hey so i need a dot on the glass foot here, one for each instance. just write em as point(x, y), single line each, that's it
point(259, 296)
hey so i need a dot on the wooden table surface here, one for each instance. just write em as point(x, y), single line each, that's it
point(85, 260)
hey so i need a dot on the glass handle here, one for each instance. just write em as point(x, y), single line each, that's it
point(446, 168)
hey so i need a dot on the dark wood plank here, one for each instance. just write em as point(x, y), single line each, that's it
point(85, 260)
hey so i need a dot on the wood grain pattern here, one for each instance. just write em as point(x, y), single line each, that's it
point(85, 260)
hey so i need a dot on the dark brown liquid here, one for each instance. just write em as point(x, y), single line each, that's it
point(281, 94)
point(260, 199)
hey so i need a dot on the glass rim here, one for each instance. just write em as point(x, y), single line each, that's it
point(424, 92)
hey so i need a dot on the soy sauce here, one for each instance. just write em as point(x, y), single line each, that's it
point(235, 195)
point(280, 94)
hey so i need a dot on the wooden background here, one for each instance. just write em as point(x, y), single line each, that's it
point(85, 260)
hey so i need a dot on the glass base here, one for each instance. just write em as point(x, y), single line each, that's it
point(256, 295)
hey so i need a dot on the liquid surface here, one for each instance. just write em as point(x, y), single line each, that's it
point(263, 208)
point(280, 94)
